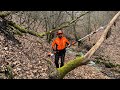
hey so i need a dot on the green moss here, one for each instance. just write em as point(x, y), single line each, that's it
point(69, 66)
point(41, 34)
point(8, 72)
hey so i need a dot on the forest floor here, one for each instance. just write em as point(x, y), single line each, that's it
point(29, 57)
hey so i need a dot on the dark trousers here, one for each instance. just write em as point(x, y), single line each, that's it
point(60, 54)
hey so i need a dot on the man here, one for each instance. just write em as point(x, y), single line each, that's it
point(59, 47)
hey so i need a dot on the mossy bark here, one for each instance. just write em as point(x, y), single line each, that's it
point(69, 66)
point(59, 73)
point(23, 30)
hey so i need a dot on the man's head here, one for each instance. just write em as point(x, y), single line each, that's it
point(60, 33)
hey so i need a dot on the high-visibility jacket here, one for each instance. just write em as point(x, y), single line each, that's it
point(60, 43)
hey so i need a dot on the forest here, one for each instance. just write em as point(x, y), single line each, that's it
point(26, 39)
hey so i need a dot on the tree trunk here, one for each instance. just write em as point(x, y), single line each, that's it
point(74, 26)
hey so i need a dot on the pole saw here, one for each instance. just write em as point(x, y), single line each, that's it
point(51, 55)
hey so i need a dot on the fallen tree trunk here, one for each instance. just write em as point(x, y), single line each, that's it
point(61, 72)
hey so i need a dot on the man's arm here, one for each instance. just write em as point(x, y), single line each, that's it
point(53, 47)
point(68, 43)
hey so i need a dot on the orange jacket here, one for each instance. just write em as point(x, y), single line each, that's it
point(60, 42)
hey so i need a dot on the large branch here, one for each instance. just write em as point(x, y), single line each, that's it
point(61, 72)
point(23, 30)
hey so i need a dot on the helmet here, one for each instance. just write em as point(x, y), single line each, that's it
point(59, 32)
